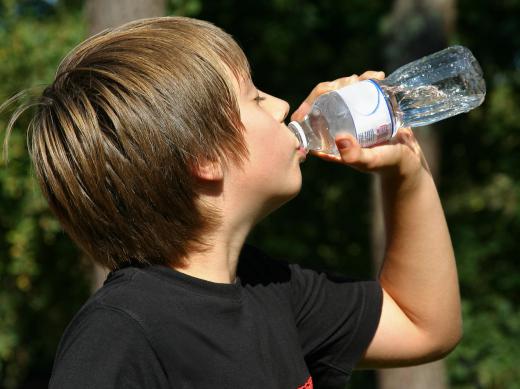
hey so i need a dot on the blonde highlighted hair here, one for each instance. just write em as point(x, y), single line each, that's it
point(116, 135)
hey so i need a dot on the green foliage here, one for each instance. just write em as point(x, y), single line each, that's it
point(41, 279)
point(487, 357)
point(292, 45)
point(481, 188)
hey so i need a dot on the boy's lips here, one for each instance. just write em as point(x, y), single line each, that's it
point(302, 153)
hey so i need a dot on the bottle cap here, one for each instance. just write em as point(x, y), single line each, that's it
point(297, 130)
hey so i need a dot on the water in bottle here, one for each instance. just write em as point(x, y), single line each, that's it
point(422, 92)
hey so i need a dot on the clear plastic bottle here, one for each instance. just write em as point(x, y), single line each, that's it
point(422, 92)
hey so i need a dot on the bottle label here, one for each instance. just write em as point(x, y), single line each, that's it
point(370, 112)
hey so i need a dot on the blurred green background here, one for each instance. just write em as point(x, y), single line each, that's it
point(292, 45)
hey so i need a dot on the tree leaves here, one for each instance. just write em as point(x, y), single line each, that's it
point(34, 269)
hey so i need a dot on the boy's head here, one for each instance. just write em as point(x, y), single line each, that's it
point(118, 133)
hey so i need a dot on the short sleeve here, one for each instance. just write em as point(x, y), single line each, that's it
point(336, 318)
point(106, 348)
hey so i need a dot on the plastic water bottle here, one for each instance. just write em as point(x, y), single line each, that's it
point(422, 92)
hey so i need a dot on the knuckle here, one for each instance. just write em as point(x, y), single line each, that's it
point(373, 74)
point(407, 131)
point(371, 165)
point(335, 84)
point(323, 87)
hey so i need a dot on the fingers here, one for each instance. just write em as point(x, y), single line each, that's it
point(366, 159)
point(402, 156)
point(372, 74)
point(398, 158)
point(321, 88)
point(406, 137)
point(324, 87)
point(302, 110)
point(353, 154)
point(343, 81)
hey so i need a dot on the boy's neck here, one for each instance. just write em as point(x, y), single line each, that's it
point(219, 263)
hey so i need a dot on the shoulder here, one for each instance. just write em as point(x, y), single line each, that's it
point(126, 299)
point(97, 327)
point(100, 321)
point(256, 266)
point(133, 291)
point(99, 348)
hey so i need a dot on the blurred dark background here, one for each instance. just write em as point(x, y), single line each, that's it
point(292, 45)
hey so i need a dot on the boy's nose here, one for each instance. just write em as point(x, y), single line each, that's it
point(282, 111)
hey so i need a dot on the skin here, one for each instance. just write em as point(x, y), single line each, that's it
point(421, 315)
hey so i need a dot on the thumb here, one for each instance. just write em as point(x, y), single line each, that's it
point(302, 110)
point(349, 149)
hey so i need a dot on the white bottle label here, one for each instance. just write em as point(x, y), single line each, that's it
point(370, 112)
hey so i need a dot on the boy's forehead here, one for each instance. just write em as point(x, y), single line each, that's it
point(240, 78)
point(243, 84)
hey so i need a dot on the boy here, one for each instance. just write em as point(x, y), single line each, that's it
point(158, 155)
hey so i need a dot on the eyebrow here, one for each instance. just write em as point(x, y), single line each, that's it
point(247, 87)
point(251, 88)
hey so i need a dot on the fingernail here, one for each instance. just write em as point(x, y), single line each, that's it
point(344, 144)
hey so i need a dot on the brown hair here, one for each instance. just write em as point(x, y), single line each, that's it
point(117, 133)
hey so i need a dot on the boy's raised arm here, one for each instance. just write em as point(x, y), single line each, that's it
point(421, 316)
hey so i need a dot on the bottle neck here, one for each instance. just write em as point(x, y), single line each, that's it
point(299, 130)
point(389, 91)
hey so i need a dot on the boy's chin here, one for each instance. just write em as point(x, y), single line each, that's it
point(292, 192)
point(278, 201)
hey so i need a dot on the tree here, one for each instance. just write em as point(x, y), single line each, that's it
point(103, 14)
point(414, 29)
point(42, 283)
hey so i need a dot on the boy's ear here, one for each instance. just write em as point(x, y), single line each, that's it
point(209, 170)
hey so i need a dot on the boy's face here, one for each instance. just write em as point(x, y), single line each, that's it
point(271, 176)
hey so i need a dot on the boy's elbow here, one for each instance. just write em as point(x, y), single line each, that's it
point(446, 342)
point(450, 345)
point(454, 339)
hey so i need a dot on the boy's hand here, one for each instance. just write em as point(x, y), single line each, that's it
point(324, 87)
point(401, 157)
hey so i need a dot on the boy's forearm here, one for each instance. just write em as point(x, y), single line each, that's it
point(419, 269)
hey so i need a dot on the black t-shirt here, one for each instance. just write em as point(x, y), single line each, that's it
point(278, 326)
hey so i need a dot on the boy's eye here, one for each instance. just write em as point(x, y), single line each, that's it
point(259, 98)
